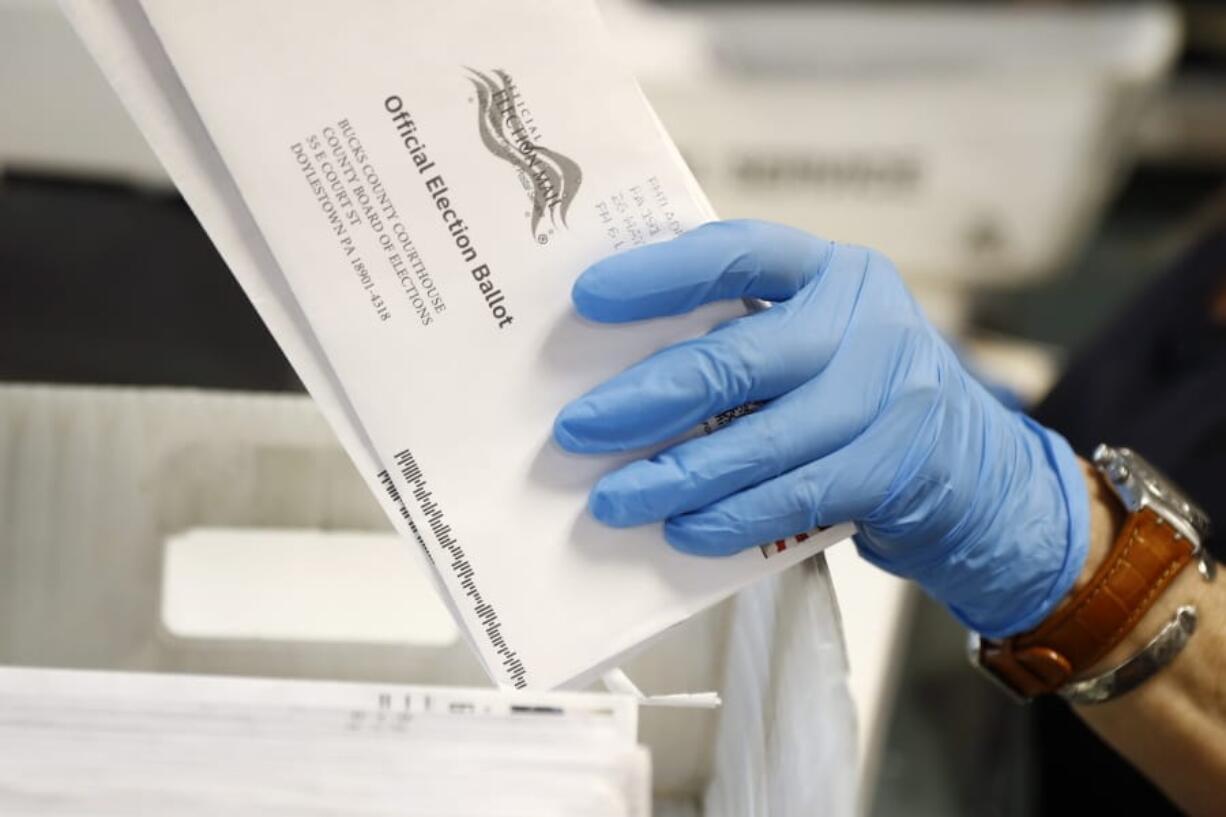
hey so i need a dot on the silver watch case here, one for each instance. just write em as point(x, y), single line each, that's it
point(1138, 484)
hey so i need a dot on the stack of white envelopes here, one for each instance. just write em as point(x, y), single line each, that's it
point(76, 743)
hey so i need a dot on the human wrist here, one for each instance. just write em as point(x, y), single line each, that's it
point(1107, 518)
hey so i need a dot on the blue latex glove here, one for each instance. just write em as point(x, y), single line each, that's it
point(870, 418)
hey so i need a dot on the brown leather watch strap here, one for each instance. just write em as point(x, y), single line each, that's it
point(1144, 560)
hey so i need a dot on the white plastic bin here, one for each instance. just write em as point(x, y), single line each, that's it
point(95, 481)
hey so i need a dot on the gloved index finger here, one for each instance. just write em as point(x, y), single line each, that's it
point(717, 261)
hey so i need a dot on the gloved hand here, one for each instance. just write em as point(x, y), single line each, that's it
point(869, 417)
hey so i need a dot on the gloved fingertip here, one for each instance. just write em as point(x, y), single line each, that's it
point(608, 509)
point(567, 430)
point(595, 298)
point(606, 501)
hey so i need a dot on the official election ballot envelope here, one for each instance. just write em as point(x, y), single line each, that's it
point(406, 191)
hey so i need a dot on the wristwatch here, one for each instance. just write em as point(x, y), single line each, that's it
point(1163, 532)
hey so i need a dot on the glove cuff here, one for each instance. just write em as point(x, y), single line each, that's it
point(1072, 486)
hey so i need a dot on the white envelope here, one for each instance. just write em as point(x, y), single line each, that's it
point(406, 192)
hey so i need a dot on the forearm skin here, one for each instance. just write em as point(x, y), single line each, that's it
point(1173, 728)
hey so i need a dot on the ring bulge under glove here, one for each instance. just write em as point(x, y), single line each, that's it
point(869, 417)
